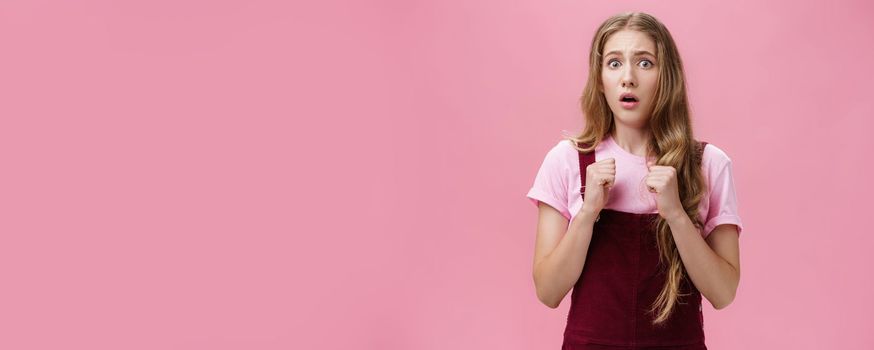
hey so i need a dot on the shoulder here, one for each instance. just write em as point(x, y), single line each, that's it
point(714, 157)
point(563, 152)
point(565, 146)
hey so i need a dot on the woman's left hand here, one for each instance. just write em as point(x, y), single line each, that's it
point(662, 180)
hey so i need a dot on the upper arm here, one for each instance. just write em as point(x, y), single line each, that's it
point(724, 241)
point(549, 193)
point(551, 227)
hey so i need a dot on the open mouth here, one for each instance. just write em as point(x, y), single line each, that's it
point(627, 97)
point(628, 100)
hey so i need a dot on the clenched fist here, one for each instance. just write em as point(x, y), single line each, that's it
point(600, 177)
point(662, 180)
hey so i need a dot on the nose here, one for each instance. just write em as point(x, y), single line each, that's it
point(628, 78)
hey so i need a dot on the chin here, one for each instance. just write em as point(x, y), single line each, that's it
point(630, 118)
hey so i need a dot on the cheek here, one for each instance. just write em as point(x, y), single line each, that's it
point(608, 85)
point(652, 82)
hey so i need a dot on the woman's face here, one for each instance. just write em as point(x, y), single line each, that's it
point(630, 66)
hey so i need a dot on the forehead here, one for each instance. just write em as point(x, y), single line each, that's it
point(628, 42)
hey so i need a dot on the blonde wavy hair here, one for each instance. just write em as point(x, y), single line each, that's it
point(672, 142)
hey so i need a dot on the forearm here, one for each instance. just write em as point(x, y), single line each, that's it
point(557, 273)
point(715, 278)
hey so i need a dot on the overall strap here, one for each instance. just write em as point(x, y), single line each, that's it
point(589, 158)
point(701, 145)
point(585, 160)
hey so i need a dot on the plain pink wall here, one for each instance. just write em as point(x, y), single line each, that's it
point(264, 175)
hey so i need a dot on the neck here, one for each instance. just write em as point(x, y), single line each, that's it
point(635, 141)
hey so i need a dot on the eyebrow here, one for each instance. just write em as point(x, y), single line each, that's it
point(636, 53)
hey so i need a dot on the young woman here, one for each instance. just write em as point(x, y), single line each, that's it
point(635, 215)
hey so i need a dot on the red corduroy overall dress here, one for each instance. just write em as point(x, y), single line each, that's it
point(620, 280)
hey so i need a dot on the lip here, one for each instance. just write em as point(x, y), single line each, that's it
point(629, 105)
point(628, 94)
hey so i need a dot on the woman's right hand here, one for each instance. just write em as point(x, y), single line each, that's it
point(600, 177)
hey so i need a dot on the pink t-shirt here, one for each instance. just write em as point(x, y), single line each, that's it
point(558, 184)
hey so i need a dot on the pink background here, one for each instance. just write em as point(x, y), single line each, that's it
point(258, 175)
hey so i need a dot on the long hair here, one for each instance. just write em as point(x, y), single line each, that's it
point(672, 142)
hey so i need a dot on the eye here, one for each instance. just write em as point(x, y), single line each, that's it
point(610, 63)
point(649, 65)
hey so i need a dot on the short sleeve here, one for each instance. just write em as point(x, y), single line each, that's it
point(723, 200)
point(551, 183)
